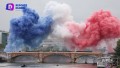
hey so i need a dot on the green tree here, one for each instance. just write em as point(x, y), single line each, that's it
point(117, 54)
point(117, 49)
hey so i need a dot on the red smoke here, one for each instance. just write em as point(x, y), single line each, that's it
point(101, 25)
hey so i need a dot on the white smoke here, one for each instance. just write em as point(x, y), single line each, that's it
point(60, 13)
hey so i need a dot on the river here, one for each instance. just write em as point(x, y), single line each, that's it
point(45, 65)
point(50, 62)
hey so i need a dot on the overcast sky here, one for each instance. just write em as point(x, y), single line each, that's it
point(81, 9)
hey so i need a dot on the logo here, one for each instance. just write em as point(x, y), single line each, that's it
point(20, 6)
point(10, 6)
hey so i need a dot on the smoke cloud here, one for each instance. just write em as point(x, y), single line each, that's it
point(31, 29)
point(101, 25)
point(28, 31)
point(60, 12)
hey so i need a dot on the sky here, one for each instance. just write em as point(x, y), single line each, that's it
point(81, 9)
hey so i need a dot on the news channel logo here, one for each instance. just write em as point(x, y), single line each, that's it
point(12, 6)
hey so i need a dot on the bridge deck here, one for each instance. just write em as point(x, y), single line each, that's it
point(61, 52)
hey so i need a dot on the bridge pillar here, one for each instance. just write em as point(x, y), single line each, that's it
point(41, 58)
point(73, 58)
point(9, 57)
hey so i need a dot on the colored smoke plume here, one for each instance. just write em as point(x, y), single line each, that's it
point(28, 31)
point(60, 12)
point(101, 25)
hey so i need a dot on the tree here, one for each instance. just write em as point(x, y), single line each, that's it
point(117, 49)
point(117, 54)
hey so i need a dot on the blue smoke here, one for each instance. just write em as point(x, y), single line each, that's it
point(28, 31)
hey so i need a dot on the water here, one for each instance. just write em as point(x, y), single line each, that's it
point(50, 62)
point(45, 65)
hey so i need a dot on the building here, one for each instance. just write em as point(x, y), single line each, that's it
point(3, 39)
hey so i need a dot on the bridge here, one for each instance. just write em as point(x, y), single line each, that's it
point(3, 56)
point(42, 55)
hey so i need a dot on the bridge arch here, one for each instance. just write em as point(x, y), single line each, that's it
point(60, 58)
point(87, 59)
point(3, 56)
point(24, 58)
point(66, 55)
point(3, 59)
